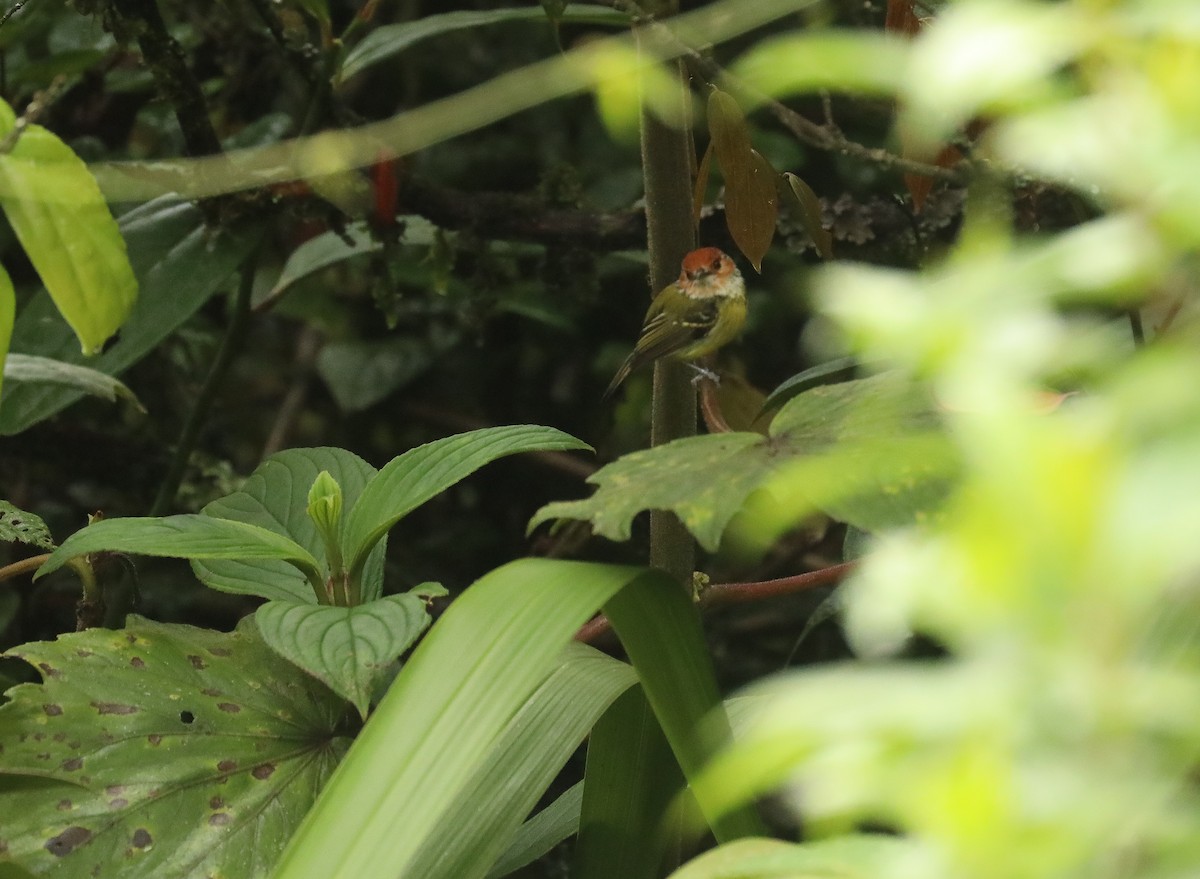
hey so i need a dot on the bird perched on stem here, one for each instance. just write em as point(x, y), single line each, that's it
point(703, 310)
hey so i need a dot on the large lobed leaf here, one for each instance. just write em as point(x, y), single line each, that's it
point(161, 750)
point(869, 451)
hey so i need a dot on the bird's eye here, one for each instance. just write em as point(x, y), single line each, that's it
point(716, 264)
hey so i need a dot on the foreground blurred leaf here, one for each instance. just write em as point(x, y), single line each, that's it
point(8, 306)
point(886, 427)
point(846, 857)
point(73, 242)
point(179, 264)
point(161, 750)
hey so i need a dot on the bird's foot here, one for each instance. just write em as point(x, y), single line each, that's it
point(704, 373)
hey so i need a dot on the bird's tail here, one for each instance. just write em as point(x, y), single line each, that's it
point(622, 374)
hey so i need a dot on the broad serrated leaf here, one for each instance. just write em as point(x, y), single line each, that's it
point(392, 39)
point(751, 203)
point(809, 208)
point(857, 856)
point(179, 264)
point(419, 474)
point(161, 750)
point(346, 648)
point(30, 368)
point(18, 526)
point(187, 537)
point(275, 497)
point(62, 221)
point(871, 449)
point(830, 372)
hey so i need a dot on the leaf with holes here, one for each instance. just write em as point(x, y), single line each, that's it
point(349, 649)
point(18, 526)
point(161, 750)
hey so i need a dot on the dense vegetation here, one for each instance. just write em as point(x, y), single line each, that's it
point(308, 308)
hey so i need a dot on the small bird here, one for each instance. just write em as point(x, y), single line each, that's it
point(703, 310)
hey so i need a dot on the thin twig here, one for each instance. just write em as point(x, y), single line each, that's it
point(24, 566)
point(738, 593)
point(230, 344)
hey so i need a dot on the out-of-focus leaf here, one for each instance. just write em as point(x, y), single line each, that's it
point(161, 750)
point(392, 39)
point(275, 497)
point(185, 537)
point(701, 187)
point(74, 243)
point(179, 264)
point(751, 205)
point(871, 450)
point(346, 648)
point(857, 856)
point(360, 374)
point(978, 57)
point(30, 368)
point(318, 9)
point(809, 208)
point(18, 526)
point(869, 62)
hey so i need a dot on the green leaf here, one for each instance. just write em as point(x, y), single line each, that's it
point(275, 497)
point(161, 750)
point(419, 474)
point(830, 372)
point(869, 449)
point(18, 526)
point(30, 368)
point(541, 833)
point(863, 61)
point(179, 263)
point(331, 248)
point(629, 784)
point(62, 221)
point(361, 373)
point(347, 648)
point(445, 714)
point(527, 757)
point(857, 856)
point(186, 537)
point(392, 39)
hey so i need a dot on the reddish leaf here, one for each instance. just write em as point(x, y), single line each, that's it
point(919, 185)
point(751, 206)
